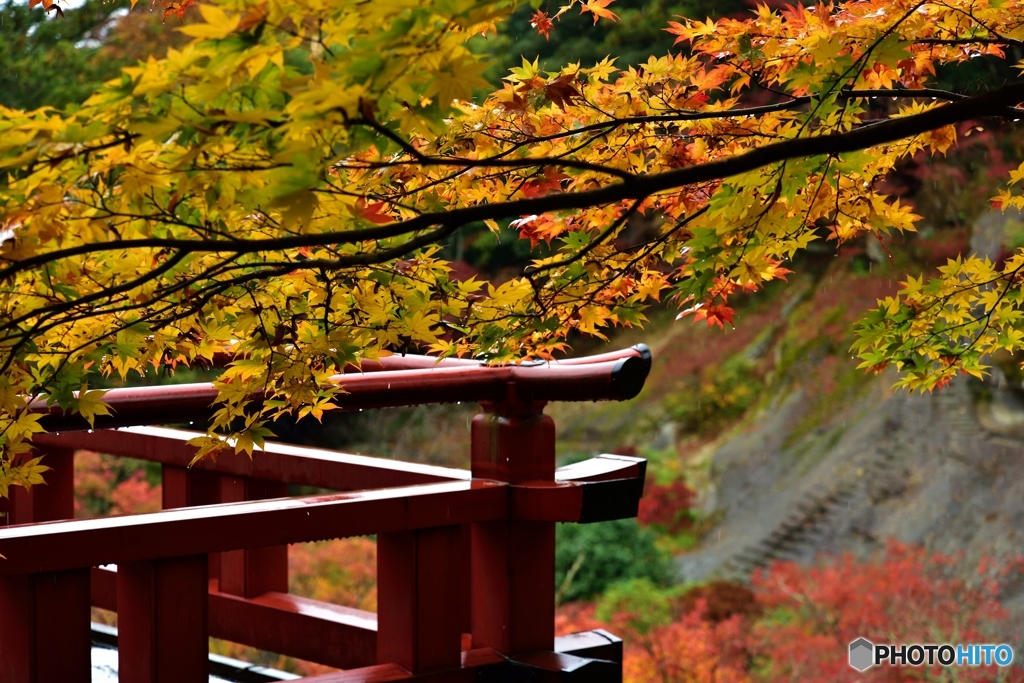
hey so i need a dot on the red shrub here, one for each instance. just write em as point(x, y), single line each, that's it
point(667, 506)
point(906, 595)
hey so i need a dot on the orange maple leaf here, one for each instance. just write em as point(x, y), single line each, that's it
point(597, 8)
point(253, 17)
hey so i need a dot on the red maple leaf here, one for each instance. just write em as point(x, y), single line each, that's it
point(372, 212)
point(719, 315)
point(547, 183)
point(542, 22)
point(562, 90)
point(178, 9)
point(716, 314)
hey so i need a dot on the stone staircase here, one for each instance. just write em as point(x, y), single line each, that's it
point(870, 479)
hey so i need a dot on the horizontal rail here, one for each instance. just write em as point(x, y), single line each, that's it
point(55, 546)
point(337, 636)
point(599, 501)
point(286, 463)
point(342, 637)
point(616, 379)
point(328, 634)
point(603, 467)
point(303, 465)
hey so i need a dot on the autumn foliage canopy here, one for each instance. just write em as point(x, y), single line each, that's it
point(281, 187)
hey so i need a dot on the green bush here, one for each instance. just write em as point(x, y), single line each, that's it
point(591, 557)
point(643, 604)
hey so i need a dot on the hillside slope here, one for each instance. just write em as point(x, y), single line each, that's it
point(795, 453)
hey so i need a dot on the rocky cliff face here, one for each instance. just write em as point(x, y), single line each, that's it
point(922, 469)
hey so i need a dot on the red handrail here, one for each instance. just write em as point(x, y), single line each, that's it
point(412, 361)
point(303, 465)
point(618, 378)
point(279, 462)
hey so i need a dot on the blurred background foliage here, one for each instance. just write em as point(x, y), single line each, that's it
point(638, 34)
point(56, 61)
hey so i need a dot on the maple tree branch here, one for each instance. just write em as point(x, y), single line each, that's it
point(593, 244)
point(999, 40)
point(999, 102)
point(497, 162)
point(685, 115)
point(406, 146)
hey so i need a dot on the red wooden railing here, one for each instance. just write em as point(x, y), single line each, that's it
point(465, 558)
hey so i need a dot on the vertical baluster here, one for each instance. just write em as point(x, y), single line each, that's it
point(44, 628)
point(162, 621)
point(56, 498)
point(513, 562)
point(45, 502)
point(185, 488)
point(249, 573)
point(44, 618)
point(418, 623)
point(464, 580)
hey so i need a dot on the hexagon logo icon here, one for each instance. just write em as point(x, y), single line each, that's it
point(862, 654)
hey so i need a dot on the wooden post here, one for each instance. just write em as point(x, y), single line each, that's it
point(418, 624)
point(44, 628)
point(52, 500)
point(182, 487)
point(248, 573)
point(513, 562)
point(162, 621)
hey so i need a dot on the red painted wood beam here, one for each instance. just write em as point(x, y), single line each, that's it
point(44, 628)
point(332, 635)
point(475, 664)
point(412, 361)
point(513, 562)
point(191, 531)
point(276, 462)
point(337, 636)
point(619, 379)
point(162, 621)
point(603, 468)
point(249, 573)
point(418, 624)
point(641, 351)
point(54, 500)
point(71, 544)
point(183, 487)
